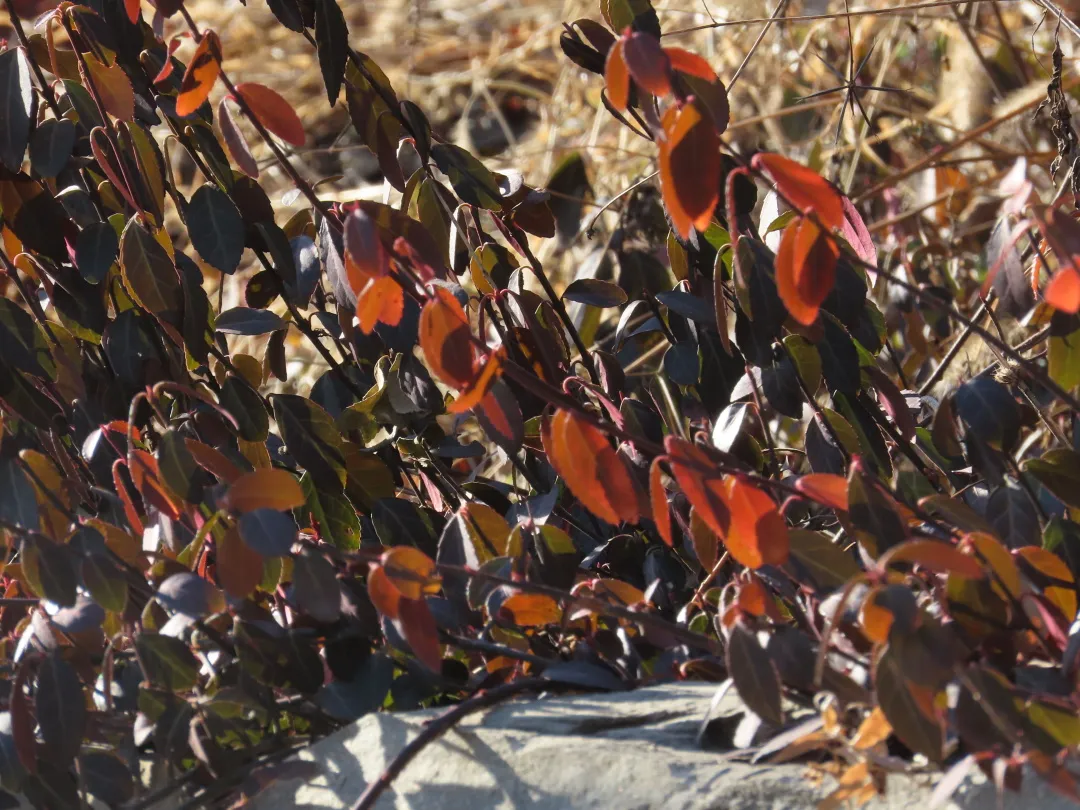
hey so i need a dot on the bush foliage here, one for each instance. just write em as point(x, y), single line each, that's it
point(205, 567)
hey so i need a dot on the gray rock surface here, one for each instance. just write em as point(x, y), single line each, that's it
point(621, 751)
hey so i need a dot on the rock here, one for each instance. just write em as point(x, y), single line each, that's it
point(618, 751)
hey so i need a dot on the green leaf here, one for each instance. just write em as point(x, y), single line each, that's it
point(16, 107)
point(332, 512)
point(216, 228)
point(105, 581)
point(150, 274)
point(166, 661)
point(177, 466)
point(312, 439)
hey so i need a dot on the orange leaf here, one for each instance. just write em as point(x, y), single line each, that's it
point(595, 473)
point(132, 9)
point(384, 595)
point(531, 610)
point(705, 541)
point(239, 567)
point(112, 86)
point(649, 66)
point(446, 340)
point(757, 535)
point(1063, 291)
point(938, 556)
point(617, 592)
point(411, 571)
point(689, 168)
point(419, 630)
point(201, 73)
point(753, 598)
point(661, 514)
point(876, 618)
point(472, 395)
point(273, 112)
point(1059, 588)
point(825, 488)
point(805, 268)
point(617, 77)
point(803, 188)
point(700, 481)
point(990, 550)
point(690, 63)
point(147, 480)
point(270, 488)
point(381, 301)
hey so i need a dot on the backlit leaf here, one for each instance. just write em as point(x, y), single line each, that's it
point(264, 489)
point(648, 63)
point(825, 488)
point(201, 73)
point(803, 188)
point(689, 158)
point(531, 610)
point(411, 571)
point(273, 112)
point(617, 77)
point(757, 534)
point(419, 629)
point(805, 268)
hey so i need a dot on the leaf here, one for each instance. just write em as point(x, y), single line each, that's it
point(51, 146)
point(365, 256)
point(189, 595)
point(216, 228)
point(1063, 291)
point(689, 159)
point(701, 484)
point(705, 541)
point(332, 43)
point(16, 107)
point(825, 488)
point(166, 661)
point(595, 473)
point(1006, 269)
point(268, 532)
point(149, 273)
point(935, 555)
point(647, 62)
point(989, 411)
point(856, 234)
point(661, 512)
point(96, 251)
point(617, 77)
point(364, 693)
point(201, 74)
point(419, 630)
point(382, 301)
point(814, 558)
point(264, 489)
point(248, 321)
point(239, 567)
point(383, 593)
point(805, 268)
point(908, 707)
point(235, 141)
point(111, 85)
point(312, 439)
point(757, 534)
point(878, 527)
point(595, 292)
point(804, 188)
point(315, 587)
point(473, 182)
point(411, 571)
point(18, 503)
point(754, 675)
point(1013, 516)
point(531, 610)
point(60, 705)
point(273, 112)
point(1059, 471)
point(331, 512)
point(690, 63)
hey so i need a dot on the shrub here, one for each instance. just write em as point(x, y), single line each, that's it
point(206, 568)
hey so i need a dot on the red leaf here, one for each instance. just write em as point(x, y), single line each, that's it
point(700, 481)
point(825, 488)
point(690, 63)
point(661, 513)
point(893, 401)
point(597, 475)
point(273, 112)
point(855, 234)
point(132, 9)
point(384, 595)
point(419, 630)
point(803, 188)
point(239, 567)
point(167, 67)
point(757, 534)
point(201, 73)
point(213, 461)
point(805, 268)
point(649, 66)
point(939, 557)
point(617, 77)
point(689, 168)
point(381, 301)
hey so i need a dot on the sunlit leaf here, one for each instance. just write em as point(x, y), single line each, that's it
point(201, 74)
point(273, 112)
point(803, 188)
point(264, 489)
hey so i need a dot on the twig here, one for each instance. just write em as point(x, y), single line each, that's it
point(777, 13)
